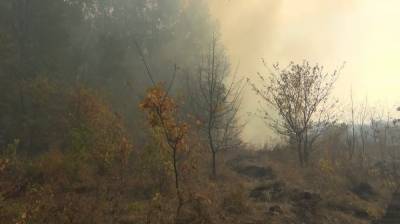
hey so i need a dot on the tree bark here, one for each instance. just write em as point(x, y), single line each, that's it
point(214, 165)
point(299, 150)
point(305, 148)
point(178, 192)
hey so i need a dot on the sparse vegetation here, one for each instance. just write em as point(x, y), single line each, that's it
point(296, 103)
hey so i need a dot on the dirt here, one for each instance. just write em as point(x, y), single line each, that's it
point(276, 200)
point(256, 172)
point(268, 192)
point(364, 191)
point(392, 215)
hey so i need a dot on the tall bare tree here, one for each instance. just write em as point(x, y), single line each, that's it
point(363, 130)
point(296, 103)
point(215, 100)
point(351, 140)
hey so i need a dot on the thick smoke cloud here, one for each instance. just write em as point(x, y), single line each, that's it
point(357, 32)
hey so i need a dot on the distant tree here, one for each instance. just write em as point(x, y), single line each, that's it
point(91, 42)
point(351, 138)
point(296, 103)
point(215, 98)
point(95, 132)
point(363, 130)
point(332, 143)
point(385, 137)
point(377, 124)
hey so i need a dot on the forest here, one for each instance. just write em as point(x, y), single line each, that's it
point(132, 111)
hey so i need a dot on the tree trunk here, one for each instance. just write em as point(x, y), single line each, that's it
point(178, 191)
point(176, 173)
point(305, 149)
point(299, 150)
point(214, 165)
point(306, 156)
point(213, 154)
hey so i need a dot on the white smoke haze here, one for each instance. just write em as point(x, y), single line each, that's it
point(362, 33)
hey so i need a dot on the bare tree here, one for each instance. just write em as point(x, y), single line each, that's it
point(216, 97)
point(386, 131)
point(377, 127)
point(352, 140)
point(296, 100)
point(363, 130)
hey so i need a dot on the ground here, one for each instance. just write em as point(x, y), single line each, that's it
point(280, 192)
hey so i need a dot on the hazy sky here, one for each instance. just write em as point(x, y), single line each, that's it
point(363, 33)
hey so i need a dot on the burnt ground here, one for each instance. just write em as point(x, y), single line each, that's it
point(392, 215)
point(278, 200)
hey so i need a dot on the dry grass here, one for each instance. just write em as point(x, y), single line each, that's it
point(61, 189)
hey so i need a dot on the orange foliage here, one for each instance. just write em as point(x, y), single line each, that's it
point(162, 113)
point(97, 129)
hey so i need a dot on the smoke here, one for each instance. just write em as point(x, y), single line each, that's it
point(358, 32)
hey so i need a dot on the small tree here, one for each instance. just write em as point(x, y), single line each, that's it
point(296, 103)
point(216, 101)
point(161, 112)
